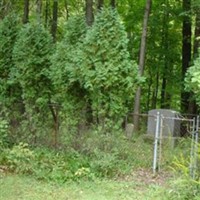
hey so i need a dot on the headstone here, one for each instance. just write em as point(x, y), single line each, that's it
point(169, 126)
point(129, 130)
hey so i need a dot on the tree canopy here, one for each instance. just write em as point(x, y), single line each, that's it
point(80, 59)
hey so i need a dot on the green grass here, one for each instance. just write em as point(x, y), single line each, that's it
point(132, 159)
point(15, 187)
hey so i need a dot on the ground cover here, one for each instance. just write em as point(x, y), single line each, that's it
point(139, 185)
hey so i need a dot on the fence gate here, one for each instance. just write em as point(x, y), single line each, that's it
point(170, 128)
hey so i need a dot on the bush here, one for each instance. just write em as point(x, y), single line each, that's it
point(45, 164)
point(91, 155)
point(182, 189)
point(19, 159)
point(185, 187)
point(3, 133)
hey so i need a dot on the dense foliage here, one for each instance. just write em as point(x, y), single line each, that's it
point(65, 90)
point(8, 32)
point(94, 156)
point(105, 69)
point(193, 79)
point(31, 53)
point(68, 91)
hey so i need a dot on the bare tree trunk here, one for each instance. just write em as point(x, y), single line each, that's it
point(197, 34)
point(165, 40)
point(89, 12)
point(186, 52)
point(55, 20)
point(47, 13)
point(113, 3)
point(26, 12)
point(193, 108)
point(100, 4)
point(39, 10)
point(67, 9)
point(141, 64)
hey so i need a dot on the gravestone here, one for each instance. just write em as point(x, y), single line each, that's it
point(129, 130)
point(169, 123)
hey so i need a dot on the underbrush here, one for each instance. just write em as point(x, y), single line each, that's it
point(186, 185)
point(94, 155)
point(91, 155)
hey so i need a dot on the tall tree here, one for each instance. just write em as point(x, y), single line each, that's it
point(186, 51)
point(165, 97)
point(9, 27)
point(192, 103)
point(197, 31)
point(54, 20)
point(89, 12)
point(26, 12)
point(141, 64)
point(106, 71)
point(32, 51)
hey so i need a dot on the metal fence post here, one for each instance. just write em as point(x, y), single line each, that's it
point(157, 132)
point(191, 167)
point(196, 147)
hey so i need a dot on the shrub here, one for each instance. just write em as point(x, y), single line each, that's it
point(185, 187)
point(3, 133)
point(192, 80)
point(20, 158)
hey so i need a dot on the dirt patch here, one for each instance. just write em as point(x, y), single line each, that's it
point(146, 177)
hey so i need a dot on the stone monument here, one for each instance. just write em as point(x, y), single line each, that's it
point(169, 125)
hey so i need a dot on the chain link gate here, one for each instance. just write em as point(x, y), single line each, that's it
point(182, 126)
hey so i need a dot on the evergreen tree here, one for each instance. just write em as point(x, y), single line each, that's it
point(32, 52)
point(63, 67)
point(68, 91)
point(9, 89)
point(105, 69)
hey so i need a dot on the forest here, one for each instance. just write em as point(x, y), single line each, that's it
point(71, 71)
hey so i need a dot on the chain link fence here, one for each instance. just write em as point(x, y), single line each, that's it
point(173, 138)
point(165, 131)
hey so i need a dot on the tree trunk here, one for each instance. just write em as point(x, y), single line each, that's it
point(39, 10)
point(89, 12)
point(193, 108)
point(155, 92)
point(197, 35)
point(54, 20)
point(67, 9)
point(186, 52)
point(164, 102)
point(141, 64)
point(113, 3)
point(47, 13)
point(26, 12)
point(100, 4)
point(55, 113)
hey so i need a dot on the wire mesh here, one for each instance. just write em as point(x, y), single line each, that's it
point(164, 137)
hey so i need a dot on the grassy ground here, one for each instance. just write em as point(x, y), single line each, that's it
point(141, 184)
point(15, 187)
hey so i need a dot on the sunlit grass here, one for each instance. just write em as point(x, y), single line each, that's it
point(14, 187)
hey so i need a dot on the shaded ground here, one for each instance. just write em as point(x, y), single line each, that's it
point(146, 177)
